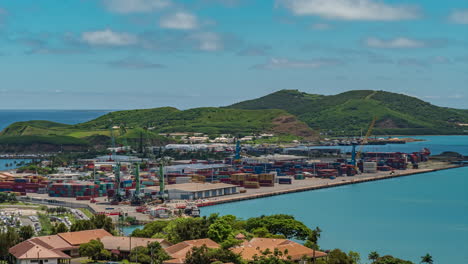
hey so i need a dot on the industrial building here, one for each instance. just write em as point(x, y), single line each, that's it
point(193, 191)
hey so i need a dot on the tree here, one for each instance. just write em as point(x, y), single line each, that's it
point(81, 225)
point(150, 229)
point(104, 222)
point(153, 252)
point(8, 238)
point(182, 229)
point(355, 257)
point(337, 256)
point(205, 255)
point(280, 224)
point(26, 232)
point(391, 260)
point(427, 259)
point(275, 257)
point(59, 228)
point(92, 249)
point(373, 256)
point(220, 230)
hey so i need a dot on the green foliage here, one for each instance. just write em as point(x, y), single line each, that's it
point(59, 228)
point(205, 255)
point(280, 224)
point(7, 197)
point(8, 238)
point(347, 113)
point(96, 222)
point(26, 232)
point(220, 230)
point(81, 225)
point(391, 260)
point(39, 169)
point(272, 257)
point(46, 225)
point(427, 259)
point(355, 257)
point(182, 229)
point(153, 252)
point(93, 249)
point(337, 256)
point(373, 256)
point(149, 230)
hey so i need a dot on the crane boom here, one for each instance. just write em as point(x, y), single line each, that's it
point(357, 155)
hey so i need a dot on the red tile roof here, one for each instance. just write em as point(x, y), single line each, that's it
point(81, 237)
point(30, 250)
point(180, 250)
point(256, 246)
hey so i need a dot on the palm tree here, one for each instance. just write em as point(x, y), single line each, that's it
point(427, 259)
point(373, 256)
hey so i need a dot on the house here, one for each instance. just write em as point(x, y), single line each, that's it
point(55, 249)
point(123, 245)
point(179, 251)
point(295, 251)
point(82, 237)
point(29, 252)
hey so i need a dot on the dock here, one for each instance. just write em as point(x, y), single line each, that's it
point(331, 184)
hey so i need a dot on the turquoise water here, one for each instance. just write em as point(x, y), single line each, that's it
point(11, 163)
point(406, 217)
point(436, 144)
point(8, 117)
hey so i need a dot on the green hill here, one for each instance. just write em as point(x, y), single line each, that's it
point(132, 125)
point(349, 112)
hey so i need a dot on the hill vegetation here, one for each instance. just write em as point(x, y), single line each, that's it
point(349, 112)
point(132, 126)
point(289, 113)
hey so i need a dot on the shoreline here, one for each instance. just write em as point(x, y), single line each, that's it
point(342, 182)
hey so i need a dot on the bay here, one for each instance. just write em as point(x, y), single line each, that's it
point(7, 117)
point(405, 217)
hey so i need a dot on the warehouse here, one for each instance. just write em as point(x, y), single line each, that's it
point(192, 191)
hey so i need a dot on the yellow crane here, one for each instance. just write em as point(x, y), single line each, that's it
point(364, 141)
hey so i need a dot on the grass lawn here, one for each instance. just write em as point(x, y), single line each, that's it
point(86, 212)
point(46, 225)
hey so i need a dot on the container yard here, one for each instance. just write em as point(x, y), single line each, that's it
point(207, 182)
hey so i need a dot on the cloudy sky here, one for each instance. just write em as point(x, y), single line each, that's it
point(123, 54)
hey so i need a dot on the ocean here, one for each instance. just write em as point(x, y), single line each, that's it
point(406, 217)
point(7, 117)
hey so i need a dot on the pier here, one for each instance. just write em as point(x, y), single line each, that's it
point(330, 184)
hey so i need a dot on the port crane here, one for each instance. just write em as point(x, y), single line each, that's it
point(136, 198)
point(356, 155)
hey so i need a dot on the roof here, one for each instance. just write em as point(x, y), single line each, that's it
point(52, 242)
point(296, 251)
point(194, 187)
point(31, 250)
point(180, 250)
point(123, 243)
point(81, 237)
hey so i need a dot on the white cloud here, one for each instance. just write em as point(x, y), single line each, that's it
point(208, 41)
point(277, 63)
point(135, 6)
point(351, 9)
point(396, 43)
point(179, 20)
point(459, 16)
point(108, 37)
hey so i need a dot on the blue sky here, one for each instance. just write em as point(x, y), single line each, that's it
point(124, 54)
